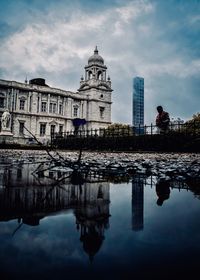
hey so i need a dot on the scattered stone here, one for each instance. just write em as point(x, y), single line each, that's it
point(164, 166)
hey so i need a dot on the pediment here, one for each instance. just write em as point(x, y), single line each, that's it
point(53, 123)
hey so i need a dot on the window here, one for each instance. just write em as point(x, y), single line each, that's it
point(53, 127)
point(42, 129)
point(52, 107)
point(41, 174)
point(51, 174)
point(2, 102)
point(100, 193)
point(90, 75)
point(19, 173)
point(101, 109)
point(60, 129)
point(21, 104)
point(100, 76)
point(21, 128)
point(60, 109)
point(30, 103)
point(75, 111)
point(43, 106)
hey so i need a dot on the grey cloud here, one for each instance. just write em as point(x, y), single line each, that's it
point(132, 41)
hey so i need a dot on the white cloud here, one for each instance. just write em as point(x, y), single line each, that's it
point(194, 19)
point(53, 46)
point(134, 9)
point(175, 67)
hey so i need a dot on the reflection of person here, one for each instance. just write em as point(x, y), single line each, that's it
point(5, 120)
point(163, 191)
point(162, 120)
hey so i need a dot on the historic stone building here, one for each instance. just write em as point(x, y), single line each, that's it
point(44, 110)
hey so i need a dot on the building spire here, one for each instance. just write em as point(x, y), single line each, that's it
point(96, 50)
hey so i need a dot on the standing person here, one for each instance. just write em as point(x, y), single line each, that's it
point(162, 120)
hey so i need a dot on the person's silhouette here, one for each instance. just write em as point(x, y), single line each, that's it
point(162, 120)
point(163, 191)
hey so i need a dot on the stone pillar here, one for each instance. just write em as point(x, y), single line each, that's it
point(48, 102)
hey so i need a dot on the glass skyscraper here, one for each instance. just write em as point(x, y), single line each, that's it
point(138, 102)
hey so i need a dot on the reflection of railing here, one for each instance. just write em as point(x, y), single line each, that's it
point(118, 131)
point(174, 184)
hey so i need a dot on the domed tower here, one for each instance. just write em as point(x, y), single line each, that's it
point(96, 87)
point(95, 68)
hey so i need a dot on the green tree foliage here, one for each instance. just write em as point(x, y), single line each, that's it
point(195, 117)
point(193, 125)
point(119, 129)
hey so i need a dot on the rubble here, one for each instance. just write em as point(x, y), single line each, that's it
point(165, 166)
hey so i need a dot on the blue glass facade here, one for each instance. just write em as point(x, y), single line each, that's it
point(138, 101)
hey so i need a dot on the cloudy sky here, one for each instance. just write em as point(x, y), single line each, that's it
point(156, 39)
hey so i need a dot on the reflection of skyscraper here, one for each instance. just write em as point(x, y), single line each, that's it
point(138, 101)
point(137, 203)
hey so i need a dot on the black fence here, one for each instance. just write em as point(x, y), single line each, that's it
point(179, 137)
point(119, 131)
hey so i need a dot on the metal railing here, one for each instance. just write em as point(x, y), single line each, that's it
point(119, 131)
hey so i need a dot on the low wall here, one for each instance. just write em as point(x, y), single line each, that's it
point(168, 143)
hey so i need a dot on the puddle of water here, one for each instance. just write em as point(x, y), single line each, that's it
point(55, 228)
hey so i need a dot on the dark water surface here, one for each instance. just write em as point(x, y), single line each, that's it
point(96, 229)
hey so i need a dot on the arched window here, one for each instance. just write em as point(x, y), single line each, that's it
point(101, 110)
point(90, 75)
point(100, 75)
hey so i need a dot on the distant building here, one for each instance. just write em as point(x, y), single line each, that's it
point(45, 110)
point(138, 102)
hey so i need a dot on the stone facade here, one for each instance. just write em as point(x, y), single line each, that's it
point(44, 110)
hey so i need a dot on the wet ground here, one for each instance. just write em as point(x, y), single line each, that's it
point(110, 216)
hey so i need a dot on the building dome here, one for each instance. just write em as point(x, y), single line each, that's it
point(95, 58)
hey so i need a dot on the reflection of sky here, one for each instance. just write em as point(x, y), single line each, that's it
point(50, 243)
point(171, 232)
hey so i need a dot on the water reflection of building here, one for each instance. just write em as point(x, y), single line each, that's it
point(92, 218)
point(20, 198)
point(22, 174)
point(23, 198)
point(137, 203)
